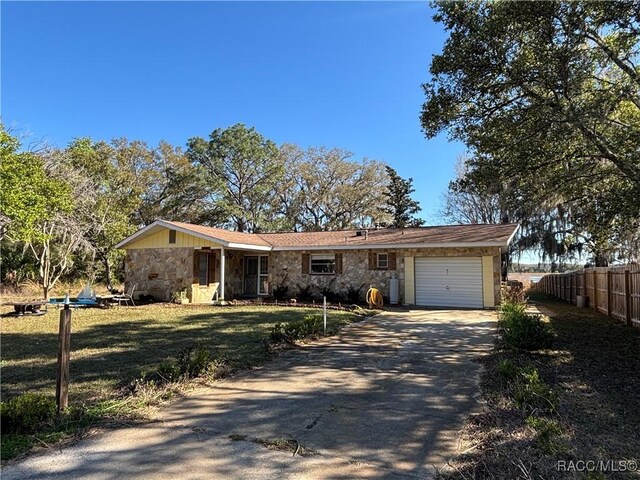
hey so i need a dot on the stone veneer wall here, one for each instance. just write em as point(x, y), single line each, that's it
point(159, 271)
point(285, 268)
point(162, 271)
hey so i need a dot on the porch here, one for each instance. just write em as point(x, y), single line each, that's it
point(222, 274)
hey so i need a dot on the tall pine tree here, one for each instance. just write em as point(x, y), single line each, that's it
point(399, 204)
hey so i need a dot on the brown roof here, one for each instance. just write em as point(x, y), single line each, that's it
point(450, 234)
point(222, 234)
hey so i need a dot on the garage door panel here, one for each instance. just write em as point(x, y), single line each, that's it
point(449, 281)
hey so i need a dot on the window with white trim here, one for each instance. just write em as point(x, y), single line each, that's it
point(172, 236)
point(382, 260)
point(323, 263)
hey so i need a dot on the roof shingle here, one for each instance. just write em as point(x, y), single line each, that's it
point(448, 234)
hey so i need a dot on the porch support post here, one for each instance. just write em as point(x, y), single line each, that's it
point(222, 268)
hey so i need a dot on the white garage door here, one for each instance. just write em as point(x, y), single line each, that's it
point(449, 282)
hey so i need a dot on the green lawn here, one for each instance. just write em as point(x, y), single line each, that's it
point(111, 347)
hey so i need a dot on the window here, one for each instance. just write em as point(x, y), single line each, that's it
point(172, 236)
point(203, 269)
point(323, 263)
point(383, 260)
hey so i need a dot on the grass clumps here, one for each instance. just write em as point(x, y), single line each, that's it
point(27, 413)
point(32, 418)
point(548, 434)
point(309, 326)
point(532, 393)
point(525, 387)
point(194, 362)
point(522, 331)
point(508, 370)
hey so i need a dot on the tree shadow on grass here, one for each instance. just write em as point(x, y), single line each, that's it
point(115, 352)
point(593, 364)
point(390, 394)
point(600, 376)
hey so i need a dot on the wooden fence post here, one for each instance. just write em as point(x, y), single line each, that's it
point(609, 293)
point(571, 287)
point(595, 289)
point(64, 350)
point(627, 296)
point(560, 287)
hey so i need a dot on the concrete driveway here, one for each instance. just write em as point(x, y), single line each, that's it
point(385, 399)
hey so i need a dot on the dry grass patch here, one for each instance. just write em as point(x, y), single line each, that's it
point(593, 368)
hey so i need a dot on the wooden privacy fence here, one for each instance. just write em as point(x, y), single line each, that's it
point(614, 291)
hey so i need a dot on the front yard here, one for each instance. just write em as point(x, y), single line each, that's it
point(110, 348)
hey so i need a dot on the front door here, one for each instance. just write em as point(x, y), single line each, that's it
point(255, 275)
point(251, 276)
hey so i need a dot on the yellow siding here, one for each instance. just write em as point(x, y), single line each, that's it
point(161, 240)
point(409, 279)
point(487, 282)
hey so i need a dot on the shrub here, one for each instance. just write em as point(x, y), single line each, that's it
point(197, 361)
point(281, 292)
point(525, 332)
point(27, 413)
point(14, 444)
point(292, 331)
point(532, 393)
point(353, 294)
point(305, 293)
point(169, 372)
point(328, 292)
point(509, 308)
point(191, 362)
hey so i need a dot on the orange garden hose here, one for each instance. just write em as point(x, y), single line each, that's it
point(374, 298)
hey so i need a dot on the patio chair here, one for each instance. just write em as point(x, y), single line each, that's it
point(126, 297)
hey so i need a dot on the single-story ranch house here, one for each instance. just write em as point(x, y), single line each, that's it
point(448, 266)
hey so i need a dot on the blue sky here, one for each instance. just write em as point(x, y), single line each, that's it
point(334, 74)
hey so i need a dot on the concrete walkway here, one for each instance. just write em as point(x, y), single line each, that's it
point(385, 399)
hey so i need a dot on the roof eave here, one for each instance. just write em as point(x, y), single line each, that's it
point(171, 226)
point(246, 246)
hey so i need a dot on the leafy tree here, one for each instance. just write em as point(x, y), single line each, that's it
point(325, 190)
point(28, 195)
point(545, 94)
point(37, 207)
point(180, 191)
point(245, 168)
point(115, 176)
point(399, 204)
